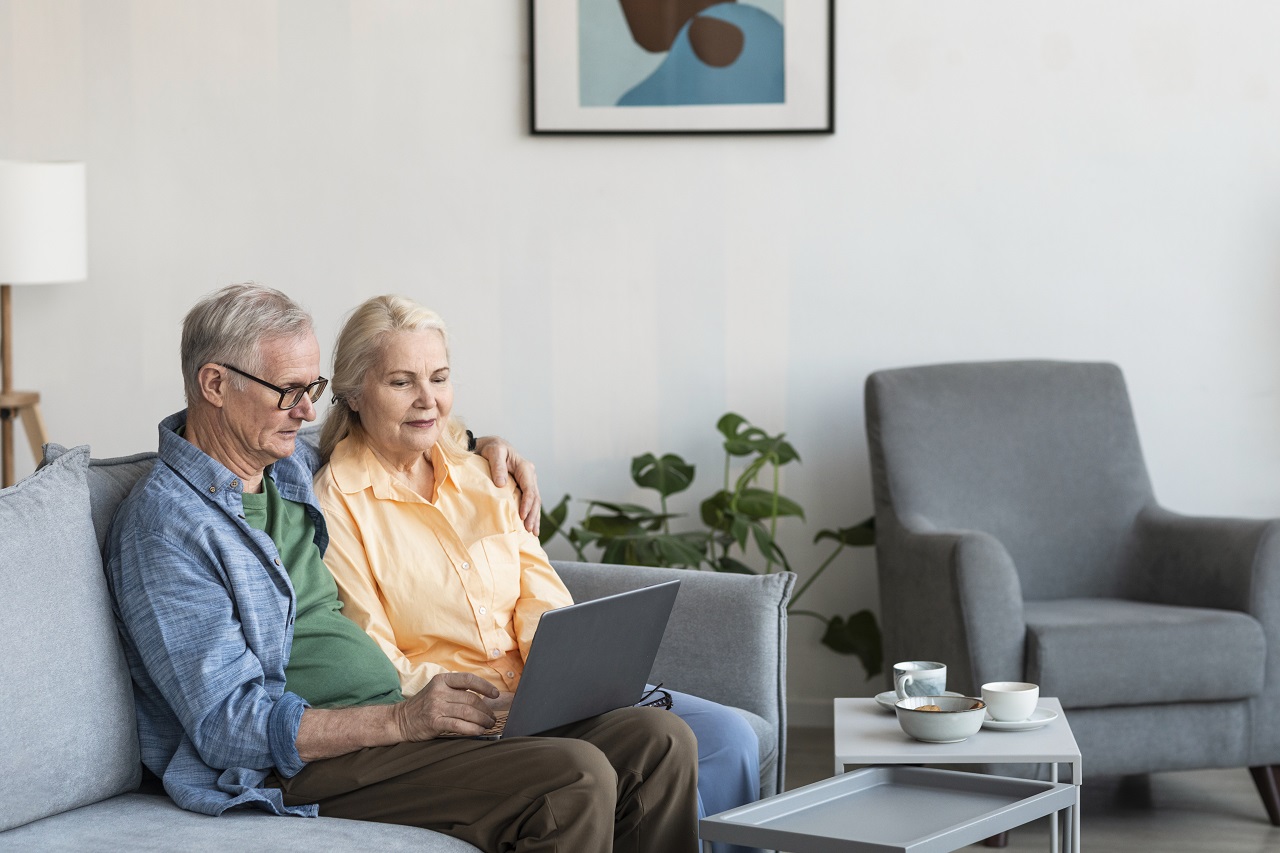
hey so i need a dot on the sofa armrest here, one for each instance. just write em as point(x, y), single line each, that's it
point(727, 637)
point(1191, 561)
point(952, 596)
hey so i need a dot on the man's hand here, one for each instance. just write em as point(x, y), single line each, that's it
point(503, 460)
point(501, 703)
point(456, 702)
point(451, 702)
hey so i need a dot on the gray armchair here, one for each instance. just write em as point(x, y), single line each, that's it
point(1018, 538)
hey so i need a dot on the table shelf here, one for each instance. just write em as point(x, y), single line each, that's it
point(892, 809)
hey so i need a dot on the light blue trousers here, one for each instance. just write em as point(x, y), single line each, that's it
point(728, 758)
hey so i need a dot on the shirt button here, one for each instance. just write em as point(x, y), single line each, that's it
point(277, 561)
point(494, 653)
point(511, 675)
point(213, 489)
point(483, 611)
point(235, 484)
point(466, 565)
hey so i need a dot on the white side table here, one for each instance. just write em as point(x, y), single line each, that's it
point(866, 733)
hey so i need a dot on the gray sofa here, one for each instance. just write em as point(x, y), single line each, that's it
point(67, 731)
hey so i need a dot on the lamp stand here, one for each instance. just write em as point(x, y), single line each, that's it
point(24, 404)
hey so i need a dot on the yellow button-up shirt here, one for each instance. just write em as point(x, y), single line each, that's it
point(450, 585)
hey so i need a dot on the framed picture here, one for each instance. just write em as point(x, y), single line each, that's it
point(682, 66)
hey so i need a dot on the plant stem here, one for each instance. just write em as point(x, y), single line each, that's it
point(822, 568)
point(773, 520)
point(817, 616)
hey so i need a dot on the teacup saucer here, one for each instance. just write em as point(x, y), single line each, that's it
point(1039, 718)
point(889, 698)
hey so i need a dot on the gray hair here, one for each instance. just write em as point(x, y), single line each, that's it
point(359, 346)
point(228, 327)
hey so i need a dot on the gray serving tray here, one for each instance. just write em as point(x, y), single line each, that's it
point(890, 808)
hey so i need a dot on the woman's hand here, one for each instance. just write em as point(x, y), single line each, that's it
point(503, 461)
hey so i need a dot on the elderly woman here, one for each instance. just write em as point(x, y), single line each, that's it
point(430, 557)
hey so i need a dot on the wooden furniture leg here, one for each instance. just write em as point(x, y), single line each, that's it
point(1267, 778)
point(6, 450)
point(24, 405)
point(33, 426)
point(1001, 840)
point(6, 385)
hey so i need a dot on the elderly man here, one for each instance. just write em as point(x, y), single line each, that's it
point(253, 689)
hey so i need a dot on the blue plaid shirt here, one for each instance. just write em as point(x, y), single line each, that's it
point(206, 612)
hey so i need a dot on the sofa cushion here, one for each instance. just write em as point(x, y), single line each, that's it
point(145, 822)
point(110, 481)
point(1185, 654)
point(67, 730)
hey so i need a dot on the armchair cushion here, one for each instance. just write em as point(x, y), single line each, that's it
point(1167, 654)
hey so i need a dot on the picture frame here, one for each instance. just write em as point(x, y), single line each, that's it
point(681, 66)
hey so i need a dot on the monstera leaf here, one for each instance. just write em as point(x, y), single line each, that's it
point(862, 534)
point(553, 521)
point(743, 439)
point(858, 635)
point(666, 474)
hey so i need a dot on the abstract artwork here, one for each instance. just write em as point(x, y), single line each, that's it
point(682, 66)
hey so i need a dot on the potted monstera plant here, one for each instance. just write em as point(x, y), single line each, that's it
point(736, 529)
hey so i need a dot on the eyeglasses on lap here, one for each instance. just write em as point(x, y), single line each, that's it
point(291, 396)
point(656, 698)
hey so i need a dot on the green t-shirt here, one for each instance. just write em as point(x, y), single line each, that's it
point(334, 663)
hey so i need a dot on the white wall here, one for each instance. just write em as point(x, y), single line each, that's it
point(1010, 178)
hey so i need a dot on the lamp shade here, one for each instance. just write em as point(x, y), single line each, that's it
point(42, 223)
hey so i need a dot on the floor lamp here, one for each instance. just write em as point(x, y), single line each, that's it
point(42, 241)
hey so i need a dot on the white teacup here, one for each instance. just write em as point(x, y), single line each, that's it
point(1010, 701)
point(919, 678)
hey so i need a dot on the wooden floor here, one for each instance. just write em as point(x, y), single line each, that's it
point(1199, 811)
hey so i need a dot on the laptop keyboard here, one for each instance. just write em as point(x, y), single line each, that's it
point(492, 732)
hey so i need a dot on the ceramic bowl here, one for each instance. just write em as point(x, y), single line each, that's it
point(959, 717)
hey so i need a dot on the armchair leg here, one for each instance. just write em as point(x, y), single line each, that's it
point(1001, 840)
point(1267, 778)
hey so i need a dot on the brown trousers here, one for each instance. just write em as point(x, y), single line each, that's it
point(624, 781)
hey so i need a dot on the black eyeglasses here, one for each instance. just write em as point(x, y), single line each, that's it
point(656, 698)
point(289, 397)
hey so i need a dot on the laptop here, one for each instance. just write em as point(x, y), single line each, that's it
point(588, 659)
